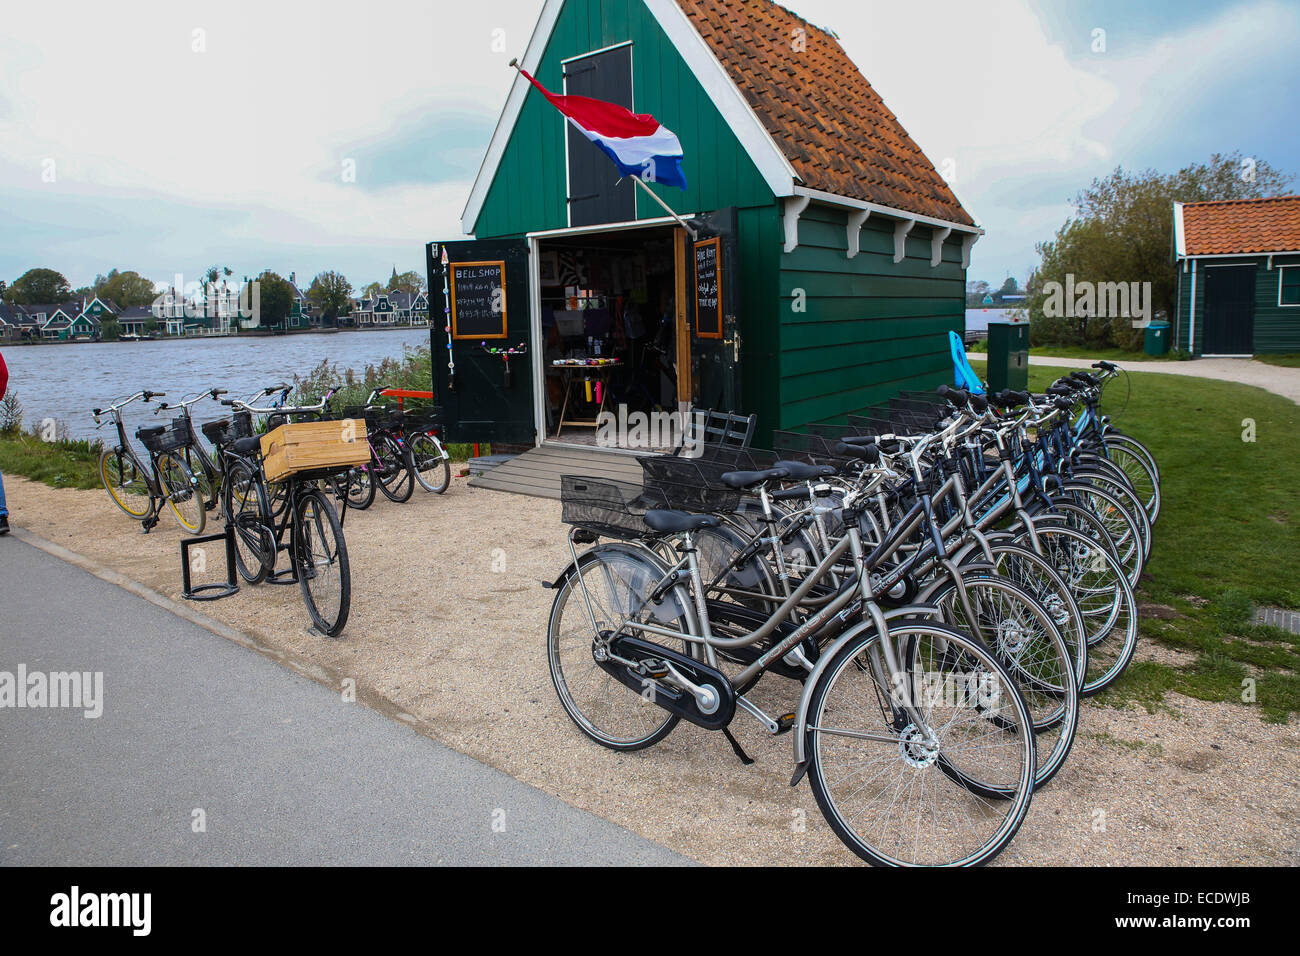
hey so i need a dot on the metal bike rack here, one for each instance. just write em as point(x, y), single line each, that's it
point(217, 589)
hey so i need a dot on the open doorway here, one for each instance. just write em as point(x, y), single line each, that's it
point(610, 329)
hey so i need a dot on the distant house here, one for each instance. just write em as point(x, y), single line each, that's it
point(135, 320)
point(11, 329)
point(60, 322)
point(388, 309)
point(1238, 276)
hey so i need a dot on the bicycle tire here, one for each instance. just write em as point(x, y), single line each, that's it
point(316, 522)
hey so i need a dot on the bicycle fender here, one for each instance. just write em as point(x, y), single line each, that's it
point(979, 568)
point(800, 726)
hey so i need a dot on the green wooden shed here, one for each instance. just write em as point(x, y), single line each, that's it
point(1238, 276)
point(836, 251)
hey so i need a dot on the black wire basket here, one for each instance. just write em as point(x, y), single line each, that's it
point(691, 484)
point(164, 438)
point(216, 432)
point(241, 426)
point(607, 508)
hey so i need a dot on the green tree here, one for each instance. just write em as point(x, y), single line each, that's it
point(275, 299)
point(372, 290)
point(39, 286)
point(1122, 231)
point(332, 294)
point(405, 282)
point(1009, 286)
point(109, 328)
point(125, 288)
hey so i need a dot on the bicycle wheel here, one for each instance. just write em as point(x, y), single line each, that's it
point(428, 462)
point(891, 788)
point(1115, 439)
point(249, 514)
point(1139, 474)
point(609, 584)
point(1101, 590)
point(125, 483)
point(361, 487)
point(1096, 489)
point(321, 558)
point(1069, 514)
point(1036, 575)
point(186, 495)
point(1021, 635)
point(395, 479)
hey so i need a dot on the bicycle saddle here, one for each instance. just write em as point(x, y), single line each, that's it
point(671, 522)
point(747, 479)
point(246, 446)
point(801, 471)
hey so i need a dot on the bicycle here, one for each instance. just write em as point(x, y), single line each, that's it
point(318, 556)
point(142, 491)
point(197, 458)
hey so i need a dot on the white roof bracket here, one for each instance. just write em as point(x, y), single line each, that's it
point(937, 236)
point(967, 241)
point(901, 229)
point(856, 218)
point(794, 207)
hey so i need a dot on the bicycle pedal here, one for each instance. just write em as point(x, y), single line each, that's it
point(784, 723)
point(656, 671)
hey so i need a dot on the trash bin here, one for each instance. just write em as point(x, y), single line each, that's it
point(1157, 339)
point(1008, 356)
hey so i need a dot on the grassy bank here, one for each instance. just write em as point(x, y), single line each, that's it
point(59, 464)
point(1226, 541)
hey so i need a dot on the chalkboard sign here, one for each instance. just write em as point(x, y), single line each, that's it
point(708, 288)
point(478, 300)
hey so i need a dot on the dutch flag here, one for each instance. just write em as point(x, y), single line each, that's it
point(636, 142)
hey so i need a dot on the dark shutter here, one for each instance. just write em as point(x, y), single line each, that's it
point(594, 197)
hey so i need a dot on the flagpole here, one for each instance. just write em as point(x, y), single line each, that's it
point(637, 179)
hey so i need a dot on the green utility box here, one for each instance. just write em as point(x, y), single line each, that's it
point(1157, 339)
point(1008, 356)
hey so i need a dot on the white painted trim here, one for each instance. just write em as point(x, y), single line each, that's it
point(607, 227)
point(834, 200)
point(967, 241)
point(792, 209)
point(857, 217)
point(754, 138)
point(538, 347)
point(1191, 315)
point(1281, 270)
point(1180, 237)
point(582, 56)
point(1245, 355)
point(509, 115)
point(901, 229)
point(937, 236)
point(1246, 255)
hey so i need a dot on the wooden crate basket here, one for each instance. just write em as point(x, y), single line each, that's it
point(314, 446)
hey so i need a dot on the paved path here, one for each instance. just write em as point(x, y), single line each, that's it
point(284, 771)
point(1273, 378)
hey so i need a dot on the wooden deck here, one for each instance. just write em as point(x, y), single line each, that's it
point(537, 472)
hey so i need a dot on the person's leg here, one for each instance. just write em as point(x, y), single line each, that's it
point(4, 510)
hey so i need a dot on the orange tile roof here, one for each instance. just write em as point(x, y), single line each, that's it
point(1242, 225)
point(831, 125)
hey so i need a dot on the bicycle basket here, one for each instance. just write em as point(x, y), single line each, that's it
point(241, 426)
point(163, 438)
point(610, 509)
point(690, 484)
point(216, 432)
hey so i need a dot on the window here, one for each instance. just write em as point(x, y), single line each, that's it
point(1288, 285)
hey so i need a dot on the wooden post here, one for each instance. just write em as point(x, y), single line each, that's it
point(680, 264)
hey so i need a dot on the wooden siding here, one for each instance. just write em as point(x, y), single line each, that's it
point(759, 239)
point(871, 327)
point(528, 192)
point(1277, 328)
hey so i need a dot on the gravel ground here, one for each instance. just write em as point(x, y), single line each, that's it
point(448, 625)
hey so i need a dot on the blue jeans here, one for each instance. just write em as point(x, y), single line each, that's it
point(3, 509)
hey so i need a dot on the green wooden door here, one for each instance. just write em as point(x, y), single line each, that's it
point(478, 404)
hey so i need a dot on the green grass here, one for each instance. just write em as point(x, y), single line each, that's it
point(1285, 361)
point(59, 464)
point(1227, 539)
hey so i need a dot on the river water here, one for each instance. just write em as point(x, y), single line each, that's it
point(67, 380)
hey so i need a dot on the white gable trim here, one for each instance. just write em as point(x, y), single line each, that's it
point(487, 171)
point(742, 121)
point(1180, 238)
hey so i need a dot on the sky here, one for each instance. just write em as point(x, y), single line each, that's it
point(169, 136)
